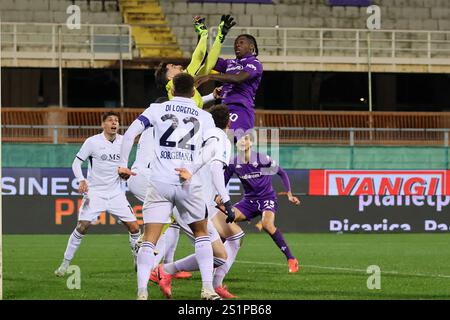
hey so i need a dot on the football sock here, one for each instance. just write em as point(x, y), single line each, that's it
point(278, 238)
point(189, 263)
point(172, 235)
point(73, 244)
point(144, 264)
point(232, 246)
point(204, 256)
point(160, 250)
point(133, 238)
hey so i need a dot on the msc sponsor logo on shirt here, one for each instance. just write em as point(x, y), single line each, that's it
point(111, 157)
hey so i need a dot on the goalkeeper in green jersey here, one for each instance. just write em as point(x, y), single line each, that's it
point(199, 65)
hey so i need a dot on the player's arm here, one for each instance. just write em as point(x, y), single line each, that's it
point(218, 180)
point(227, 174)
point(213, 95)
point(223, 77)
point(136, 128)
point(82, 155)
point(287, 186)
point(226, 23)
point(200, 50)
point(198, 56)
point(249, 71)
point(208, 98)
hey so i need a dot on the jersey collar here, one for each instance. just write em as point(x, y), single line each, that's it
point(106, 139)
point(183, 99)
point(247, 56)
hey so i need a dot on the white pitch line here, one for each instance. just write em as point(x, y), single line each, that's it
point(351, 269)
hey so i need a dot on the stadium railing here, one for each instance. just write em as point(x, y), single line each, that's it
point(52, 42)
point(345, 49)
point(70, 125)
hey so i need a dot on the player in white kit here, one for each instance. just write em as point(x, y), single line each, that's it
point(138, 184)
point(181, 128)
point(102, 190)
point(213, 183)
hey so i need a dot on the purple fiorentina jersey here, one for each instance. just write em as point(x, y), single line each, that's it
point(257, 185)
point(242, 94)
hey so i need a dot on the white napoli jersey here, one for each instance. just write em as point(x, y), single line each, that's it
point(144, 151)
point(180, 128)
point(103, 158)
point(222, 152)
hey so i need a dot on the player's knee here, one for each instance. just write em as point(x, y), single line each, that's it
point(133, 227)
point(268, 226)
point(241, 240)
point(221, 254)
point(82, 227)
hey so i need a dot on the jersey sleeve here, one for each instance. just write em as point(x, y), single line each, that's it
point(228, 173)
point(85, 150)
point(254, 68)
point(223, 149)
point(146, 117)
point(284, 179)
point(221, 65)
point(209, 128)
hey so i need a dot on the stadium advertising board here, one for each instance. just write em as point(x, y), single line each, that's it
point(323, 214)
point(45, 200)
point(379, 182)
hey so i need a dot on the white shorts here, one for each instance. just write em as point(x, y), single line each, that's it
point(92, 206)
point(212, 210)
point(212, 231)
point(161, 198)
point(138, 184)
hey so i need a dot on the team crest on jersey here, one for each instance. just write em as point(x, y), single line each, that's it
point(255, 164)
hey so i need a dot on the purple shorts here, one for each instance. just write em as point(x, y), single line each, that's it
point(254, 208)
point(241, 118)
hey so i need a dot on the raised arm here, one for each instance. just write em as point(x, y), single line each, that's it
point(226, 23)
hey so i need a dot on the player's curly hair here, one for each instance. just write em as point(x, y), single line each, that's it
point(253, 40)
point(221, 115)
point(161, 75)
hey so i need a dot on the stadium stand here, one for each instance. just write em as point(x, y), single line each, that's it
point(152, 35)
point(33, 31)
point(288, 30)
point(54, 11)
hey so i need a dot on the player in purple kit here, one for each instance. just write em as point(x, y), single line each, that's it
point(255, 172)
point(241, 78)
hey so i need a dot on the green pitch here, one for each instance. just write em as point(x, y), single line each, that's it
point(412, 267)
